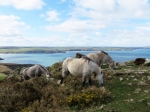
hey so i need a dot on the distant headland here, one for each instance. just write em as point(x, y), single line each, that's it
point(1, 58)
point(27, 50)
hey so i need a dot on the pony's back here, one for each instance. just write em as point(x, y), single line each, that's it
point(35, 70)
point(96, 57)
point(73, 64)
point(100, 57)
point(77, 66)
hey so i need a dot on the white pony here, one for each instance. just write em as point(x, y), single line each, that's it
point(81, 66)
point(101, 58)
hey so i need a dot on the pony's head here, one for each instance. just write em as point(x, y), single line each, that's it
point(48, 75)
point(112, 65)
point(100, 78)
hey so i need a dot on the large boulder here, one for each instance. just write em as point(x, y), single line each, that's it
point(139, 61)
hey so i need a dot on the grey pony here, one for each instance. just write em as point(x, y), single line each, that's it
point(34, 71)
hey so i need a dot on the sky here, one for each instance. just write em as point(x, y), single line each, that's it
point(59, 23)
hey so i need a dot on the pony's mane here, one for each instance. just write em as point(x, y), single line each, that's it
point(43, 67)
point(104, 52)
point(79, 55)
point(87, 59)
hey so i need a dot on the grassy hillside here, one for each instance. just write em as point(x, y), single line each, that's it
point(28, 50)
point(125, 89)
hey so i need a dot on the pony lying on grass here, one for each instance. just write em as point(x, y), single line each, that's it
point(35, 71)
point(81, 66)
point(101, 58)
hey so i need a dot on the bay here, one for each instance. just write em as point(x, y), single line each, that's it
point(50, 59)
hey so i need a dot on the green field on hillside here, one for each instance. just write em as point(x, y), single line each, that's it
point(2, 76)
point(58, 49)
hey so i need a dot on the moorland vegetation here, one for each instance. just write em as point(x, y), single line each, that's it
point(125, 89)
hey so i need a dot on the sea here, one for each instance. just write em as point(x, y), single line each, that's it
point(50, 59)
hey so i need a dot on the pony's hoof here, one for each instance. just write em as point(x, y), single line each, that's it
point(102, 84)
point(63, 84)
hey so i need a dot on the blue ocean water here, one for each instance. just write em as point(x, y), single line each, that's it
point(50, 59)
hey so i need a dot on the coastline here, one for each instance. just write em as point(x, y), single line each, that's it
point(48, 59)
point(51, 50)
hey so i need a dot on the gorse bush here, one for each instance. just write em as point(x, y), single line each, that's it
point(61, 101)
point(89, 97)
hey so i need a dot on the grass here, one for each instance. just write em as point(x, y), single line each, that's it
point(125, 89)
point(2, 76)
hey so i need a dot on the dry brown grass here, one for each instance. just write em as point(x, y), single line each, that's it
point(4, 69)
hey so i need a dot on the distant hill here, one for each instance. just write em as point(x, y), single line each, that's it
point(60, 49)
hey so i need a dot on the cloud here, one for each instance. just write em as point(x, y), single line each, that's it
point(144, 27)
point(52, 15)
point(23, 4)
point(63, 0)
point(33, 41)
point(96, 5)
point(85, 23)
point(113, 38)
point(42, 15)
point(75, 25)
point(112, 9)
point(98, 14)
point(11, 26)
point(105, 23)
